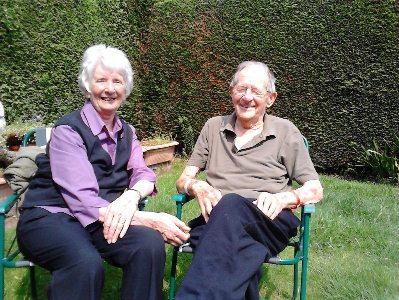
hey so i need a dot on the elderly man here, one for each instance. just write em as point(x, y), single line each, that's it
point(250, 159)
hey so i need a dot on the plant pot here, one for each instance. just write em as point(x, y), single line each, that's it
point(158, 154)
point(13, 142)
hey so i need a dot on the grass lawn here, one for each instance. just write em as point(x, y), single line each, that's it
point(354, 245)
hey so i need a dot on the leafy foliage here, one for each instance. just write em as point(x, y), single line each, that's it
point(336, 63)
point(383, 161)
point(187, 135)
point(41, 44)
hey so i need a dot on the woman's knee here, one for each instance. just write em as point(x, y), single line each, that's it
point(152, 241)
point(89, 258)
point(149, 250)
point(83, 261)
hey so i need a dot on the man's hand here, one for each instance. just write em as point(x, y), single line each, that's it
point(207, 197)
point(173, 231)
point(271, 204)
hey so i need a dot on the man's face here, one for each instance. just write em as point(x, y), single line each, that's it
point(250, 96)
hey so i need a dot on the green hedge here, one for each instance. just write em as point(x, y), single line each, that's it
point(336, 63)
point(41, 47)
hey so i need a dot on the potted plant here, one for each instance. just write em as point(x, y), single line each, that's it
point(11, 135)
point(158, 150)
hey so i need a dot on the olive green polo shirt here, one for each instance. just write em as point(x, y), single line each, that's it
point(267, 163)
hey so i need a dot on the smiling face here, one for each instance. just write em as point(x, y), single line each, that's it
point(250, 96)
point(108, 91)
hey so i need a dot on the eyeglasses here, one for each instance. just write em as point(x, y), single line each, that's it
point(241, 90)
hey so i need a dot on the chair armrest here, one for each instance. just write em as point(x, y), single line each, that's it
point(181, 198)
point(8, 203)
point(27, 136)
point(142, 203)
point(41, 134)
point(309, 208)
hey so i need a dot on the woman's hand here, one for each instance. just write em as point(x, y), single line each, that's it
point(173, 231)
point(207, 196)
point(118, 215)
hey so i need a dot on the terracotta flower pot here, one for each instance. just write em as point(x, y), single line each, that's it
point(158, 154)
point(14, 142)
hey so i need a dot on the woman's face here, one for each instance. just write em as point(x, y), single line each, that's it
point(108, 90)
point(250, 96)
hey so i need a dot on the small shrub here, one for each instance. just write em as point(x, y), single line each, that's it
point(157, 139)
point(187, 135)
point(383, 161)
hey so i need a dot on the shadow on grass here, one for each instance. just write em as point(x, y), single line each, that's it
point(112, 284)
point(111, 290)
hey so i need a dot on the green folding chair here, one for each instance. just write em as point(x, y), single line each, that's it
point(300, 246)
point(9, 254)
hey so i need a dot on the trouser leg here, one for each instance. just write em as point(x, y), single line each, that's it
point(252, 292)
point(231, 248)
point(58, 243)
point(141, 255)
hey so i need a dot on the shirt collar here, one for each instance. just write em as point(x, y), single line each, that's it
point(94, 122)
point(268, 126)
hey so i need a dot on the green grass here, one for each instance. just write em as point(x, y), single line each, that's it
point(354, 246)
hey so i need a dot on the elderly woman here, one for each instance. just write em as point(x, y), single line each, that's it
point(250, 159)
point(81, 207)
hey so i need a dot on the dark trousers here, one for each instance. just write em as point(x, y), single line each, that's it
point(230, 249)
point(74, 256)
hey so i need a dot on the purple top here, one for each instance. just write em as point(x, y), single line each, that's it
point(77, 181)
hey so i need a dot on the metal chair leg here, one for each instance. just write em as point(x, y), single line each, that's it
point(295, 288)
point(305, 256)
point(33, 282)
point(2, 239)
point(172, 281)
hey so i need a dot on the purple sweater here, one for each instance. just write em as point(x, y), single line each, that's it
point(77, 181)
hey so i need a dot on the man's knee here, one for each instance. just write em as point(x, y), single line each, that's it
point(233, 208)
point(231, 203)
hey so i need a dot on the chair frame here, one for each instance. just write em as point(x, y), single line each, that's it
point(9, 257)
point(300, 245)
